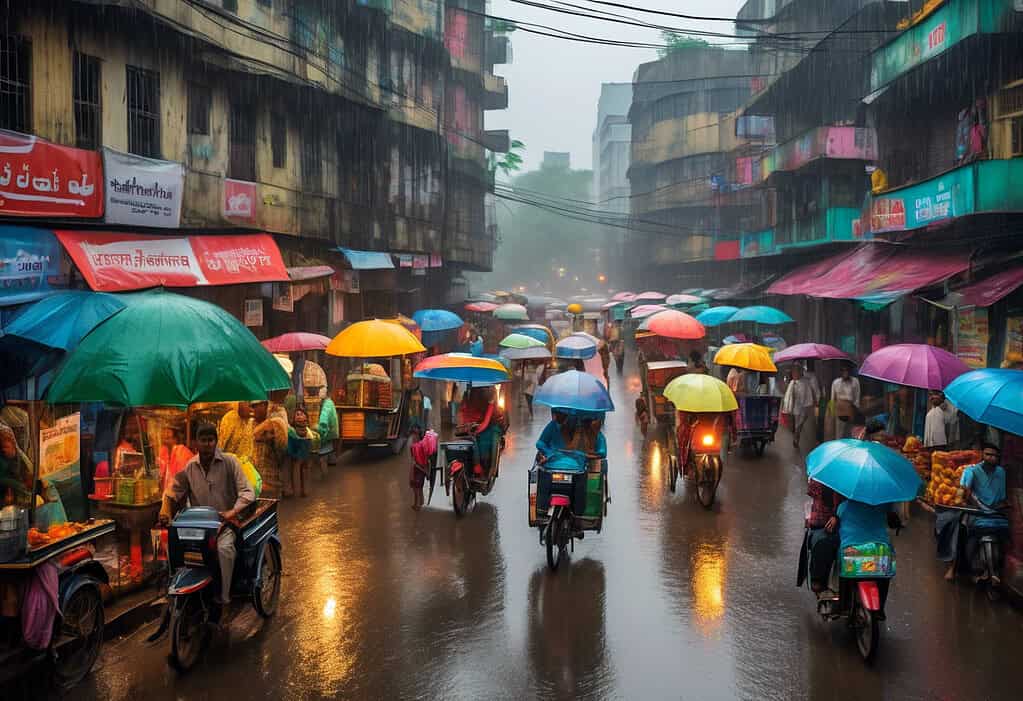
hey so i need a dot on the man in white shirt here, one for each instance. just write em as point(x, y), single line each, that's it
point(938, 423)
point(532, 378)
point(799, 402)
point(845, 397)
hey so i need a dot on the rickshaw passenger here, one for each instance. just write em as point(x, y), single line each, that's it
point(555, 436)
point(480, 410)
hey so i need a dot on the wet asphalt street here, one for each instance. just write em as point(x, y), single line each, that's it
point(671, 601)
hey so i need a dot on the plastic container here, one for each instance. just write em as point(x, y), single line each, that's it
point(13, 533)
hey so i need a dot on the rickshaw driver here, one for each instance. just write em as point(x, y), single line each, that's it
point(722, 423)
point(216, 480)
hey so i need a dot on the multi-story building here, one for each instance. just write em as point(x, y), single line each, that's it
point(354, 125)
point(612, 146)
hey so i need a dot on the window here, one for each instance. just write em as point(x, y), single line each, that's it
point(143, 112)
point(199, 99)
point(279, 139)
point(311, 166)
point(230, 5)
point(15, 79)
point(88, 121)
point(242, 136)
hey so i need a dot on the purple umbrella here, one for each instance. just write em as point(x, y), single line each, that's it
point(914, 365)
point(813, 351)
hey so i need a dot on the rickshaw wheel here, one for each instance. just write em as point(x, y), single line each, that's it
point(267, 594)
point(759, 446)
point(555, 546)
point(458, 498)
point(80, 636)
point(707, 484)
point(868, 633)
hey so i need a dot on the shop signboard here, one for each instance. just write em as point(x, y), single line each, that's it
point(41, 179)
point(404, 260)
point(29, 263)
point(436, 261)
point(60, 467)
point(283, 299)
point(758, 243)
point(973, 337)
point(947, 196)
point(1013, 351)
point(253, 312)
point(754, 127)
point(726, 250)
point(239, 200)
point(142, 191)
point(115, 262)
point(420, 262)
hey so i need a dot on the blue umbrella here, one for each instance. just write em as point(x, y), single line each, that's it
point(761, 315)
point(539, 334)
point(575, 348)
point(431, 320)
point(864, 471)
point(575, 391)
point(716, 315)
point(535, 353)
point(991, 396)
point(63, 319)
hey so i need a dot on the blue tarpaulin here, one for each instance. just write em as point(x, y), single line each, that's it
point(367, 260)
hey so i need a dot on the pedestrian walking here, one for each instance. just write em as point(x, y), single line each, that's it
point(302, 441)
point(270, 437)
point(424, 452)
point(845, 401)
point(532, 379)
point(799, 403)
point(329, 431)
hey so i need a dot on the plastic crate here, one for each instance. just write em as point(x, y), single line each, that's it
point(353, 425)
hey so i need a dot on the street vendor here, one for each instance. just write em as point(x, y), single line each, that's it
point(15, 468)
point(216, 480)
point(236, 431)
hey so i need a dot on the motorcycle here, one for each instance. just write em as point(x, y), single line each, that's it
point(192, 609)
point(568, 495)
point(863, 573)
point(464, 475)
point(700, 457)
point(987, 558)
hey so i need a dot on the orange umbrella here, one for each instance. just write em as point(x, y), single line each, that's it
point(675, 324)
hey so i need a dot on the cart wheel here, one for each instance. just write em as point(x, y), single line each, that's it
point(459, 499)
point(557, 535)
point(189, 634)
point(266, 595)
point(707, 478)
point(759, 447)
point(79, 636)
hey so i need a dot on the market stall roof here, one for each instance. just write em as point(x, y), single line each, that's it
point(877, 273)
point(114, 261)
point(985, 292)
point(300, 273)
point(367, 260)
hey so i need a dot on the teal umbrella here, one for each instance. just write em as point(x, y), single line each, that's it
point(863, 471)
point(761, 314)
point(520, 341)
point(63, 319)
point(716, 315)
point(165, 349)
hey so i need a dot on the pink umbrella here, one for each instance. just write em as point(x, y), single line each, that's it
point(810, 351)
point(481, 307)
point(645, 310)
point(649, 297)
point(684, 299)
point(296, 342)
point(624, 297)
point(914, 365)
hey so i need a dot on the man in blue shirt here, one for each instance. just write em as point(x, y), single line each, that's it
point(984, 487)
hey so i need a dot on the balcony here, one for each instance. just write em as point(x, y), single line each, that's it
point(498, 49)
point(678, 138)
point(671, 251)
point(842, 143)
point(823, 226)
point(497, 140)
point(938, 32)
point(495, 92)
point(976, 188)
point(757, 243)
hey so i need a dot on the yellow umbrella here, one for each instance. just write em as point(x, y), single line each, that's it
point(698, 392)
point(746, 355)
point(374, 339)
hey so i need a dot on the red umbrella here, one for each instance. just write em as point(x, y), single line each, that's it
point(675, 324)
point(481, 307)
point(296, 342)
point(810, 351)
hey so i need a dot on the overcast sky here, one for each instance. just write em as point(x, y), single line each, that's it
point(553, 84)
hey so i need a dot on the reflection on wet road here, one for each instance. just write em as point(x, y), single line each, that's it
point(669, 601)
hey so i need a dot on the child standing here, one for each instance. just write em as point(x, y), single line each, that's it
point(300, 449)
point(424, 452)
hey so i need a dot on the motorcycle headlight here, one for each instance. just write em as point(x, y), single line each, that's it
point(708, 440)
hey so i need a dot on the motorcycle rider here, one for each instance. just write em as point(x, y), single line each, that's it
point(984, 487)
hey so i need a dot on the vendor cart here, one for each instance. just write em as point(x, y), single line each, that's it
point(658, 374)
point(375, 411)
point(757, 421)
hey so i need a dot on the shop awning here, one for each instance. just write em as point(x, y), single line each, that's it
point(875, 273)
point(116, 262)
point(300, 273)
point(367, 260)
point(983, 293)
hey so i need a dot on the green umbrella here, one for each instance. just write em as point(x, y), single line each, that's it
point(165, 349)
point(520, 341)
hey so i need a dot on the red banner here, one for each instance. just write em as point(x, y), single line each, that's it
point(116, 262)
point(726, 250)
point(41, 179)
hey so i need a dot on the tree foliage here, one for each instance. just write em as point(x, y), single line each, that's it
point(673, 41)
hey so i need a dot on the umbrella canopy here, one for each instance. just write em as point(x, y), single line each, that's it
point(537, 331)
point(645, 310)
point(520, 341)
point(165, 349)
point(431, 320)
point(991, 396)
point(296, 342)
point(810, 351)
point(511, 312)
point(408, 323)
point(699, 392)
point(582, 334)
point(746, 355)
point(735, 338)
point(914, 365)
point(374, 338)
point(680, 299)
point(701, 307)
point(624, 297)
point(761, 314)
point(575, 348)
point(649, 296)
point(461, 367)
point(286, 364)
point(675, 324)
point(537, 353)
point(716, 315)
point(574, 391)
point(481, 307)
point(63, 319)
point(864, 471)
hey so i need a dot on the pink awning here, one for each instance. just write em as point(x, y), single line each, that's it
point(877, 273)
point(985, 292)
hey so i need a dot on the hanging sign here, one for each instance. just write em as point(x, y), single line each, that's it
point(29, 263)
point(239, 200)
point(404, 260)
point(142, 191)
point(59, 448)
point(420, 262)
point(436, 261)
point(283, 300)
point(40, 179)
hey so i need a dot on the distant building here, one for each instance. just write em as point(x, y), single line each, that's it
point(556, 159)
point(611, 155)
